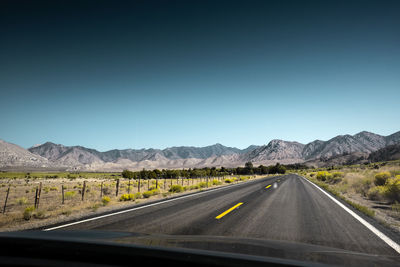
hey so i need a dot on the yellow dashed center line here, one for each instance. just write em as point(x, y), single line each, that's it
point(227, 211)
point(268, 186)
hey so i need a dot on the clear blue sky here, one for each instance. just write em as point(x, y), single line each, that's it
point(171, 73)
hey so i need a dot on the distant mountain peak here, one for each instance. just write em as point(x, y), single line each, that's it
point(14, 156)
point(50, 154)
point(36, 145)
point(51, 144)
point(275, 141)
point(364, 132)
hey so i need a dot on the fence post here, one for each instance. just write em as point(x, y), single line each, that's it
point(62, 191)
point(83, 190)
point(138, 186)
point(36, 196)
point(5, 202)
point(129, 186)
point(117, 188)
point(101, 190)
point(39, 193)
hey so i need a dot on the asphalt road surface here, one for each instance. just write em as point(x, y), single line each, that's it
point(285, 208)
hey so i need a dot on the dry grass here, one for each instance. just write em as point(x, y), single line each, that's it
point(358, 186)
point(51, 209)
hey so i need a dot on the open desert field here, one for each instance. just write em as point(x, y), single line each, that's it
point(31, 200)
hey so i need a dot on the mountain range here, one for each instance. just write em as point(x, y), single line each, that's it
point(342, 149)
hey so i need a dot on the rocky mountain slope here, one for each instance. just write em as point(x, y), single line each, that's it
point(342, 149)
point(276, 150)
point(13, 156)
point(81, 155)
point(391, 152)
point(364, 142)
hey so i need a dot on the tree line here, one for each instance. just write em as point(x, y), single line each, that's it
point(248, 169)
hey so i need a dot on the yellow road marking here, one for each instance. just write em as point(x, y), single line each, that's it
point(268, 186)
point(227, 211)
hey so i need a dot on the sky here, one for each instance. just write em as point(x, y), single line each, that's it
point(155, 74)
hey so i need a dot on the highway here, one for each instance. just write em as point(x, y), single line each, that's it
point(284, 208)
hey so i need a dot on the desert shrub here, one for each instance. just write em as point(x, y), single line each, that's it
point(392, 189)
point(69, 194)
point(202, 184)
point(381, 178)
point(153, 187)
point(53, 188)
point(324, 176)
point(216, 182)
point(27, 215)
point(147, 194)
point(105, 200)
point(176, 188)
point(192, 187)
point(150, 193)
point(127, 197)
point(376, 193)
point(22, 201)
point(155, 192)
point(228, 181)
point(39, 214)
point(334, 178)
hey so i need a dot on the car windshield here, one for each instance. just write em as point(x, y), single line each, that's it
point(263, 128)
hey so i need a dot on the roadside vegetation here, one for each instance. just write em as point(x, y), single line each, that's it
point(373, 189)
point(34, 199)
point(248, 169)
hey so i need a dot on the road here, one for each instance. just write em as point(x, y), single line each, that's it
point(287, 208)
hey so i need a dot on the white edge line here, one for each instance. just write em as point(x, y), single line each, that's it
point(141, 207)
point(381, 235)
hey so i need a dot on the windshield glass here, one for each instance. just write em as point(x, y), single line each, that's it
point(265, 128)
